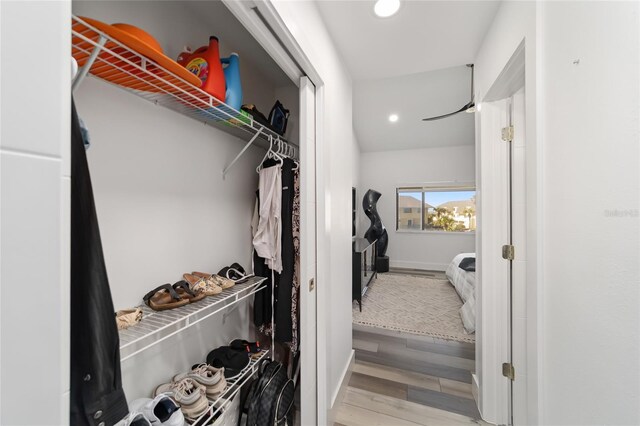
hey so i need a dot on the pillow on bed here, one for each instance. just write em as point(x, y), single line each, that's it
point(468, 264)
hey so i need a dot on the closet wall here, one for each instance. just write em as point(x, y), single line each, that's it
point(34, 213)
point(163, 206)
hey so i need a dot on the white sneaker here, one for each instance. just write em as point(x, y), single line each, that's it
point(208, 376)
point(134, 419)
point(160, 410)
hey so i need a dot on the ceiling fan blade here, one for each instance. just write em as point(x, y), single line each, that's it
point(464, 108)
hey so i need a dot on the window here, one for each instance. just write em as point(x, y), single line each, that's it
point(436, 209)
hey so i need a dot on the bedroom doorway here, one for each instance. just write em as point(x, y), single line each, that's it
point(501, 379)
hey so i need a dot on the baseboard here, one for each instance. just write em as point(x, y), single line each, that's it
point(342, 389)
point(475, 388)
point(427, 266)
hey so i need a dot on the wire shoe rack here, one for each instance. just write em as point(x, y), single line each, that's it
point(157, 326)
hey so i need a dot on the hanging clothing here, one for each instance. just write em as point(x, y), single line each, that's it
point(295, 288)
point(96, 396)
point(283, 301)
point(268, 240)
point(283, 288)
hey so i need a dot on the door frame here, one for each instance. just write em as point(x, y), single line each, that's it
point(264, 23)
point(499, 400)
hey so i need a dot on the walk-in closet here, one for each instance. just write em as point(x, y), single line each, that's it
point(175, 176)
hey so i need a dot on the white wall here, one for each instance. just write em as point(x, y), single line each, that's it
point(582, 131)
point(387, 170)
point(334, 194)
point(163, 206)
point(35, 194)
point(592, 167)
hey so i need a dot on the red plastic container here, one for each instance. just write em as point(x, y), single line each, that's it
point(205, 64)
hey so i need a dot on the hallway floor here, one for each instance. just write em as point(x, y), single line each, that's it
point(402, 379)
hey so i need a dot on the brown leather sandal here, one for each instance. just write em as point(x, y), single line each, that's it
point(164, 297)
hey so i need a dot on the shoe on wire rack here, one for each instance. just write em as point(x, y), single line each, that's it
point(209, 286)
point(218, 280)
point(189, 394)
point(134, 419)
point(159, 411)
point(210, 377)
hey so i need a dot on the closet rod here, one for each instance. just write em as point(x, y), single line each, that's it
point(247, 145)
point(87, 66)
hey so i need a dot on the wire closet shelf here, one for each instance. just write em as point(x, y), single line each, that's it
point(109, 60)
point(157, 326)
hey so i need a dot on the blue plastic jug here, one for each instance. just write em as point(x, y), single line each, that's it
point(231, 68)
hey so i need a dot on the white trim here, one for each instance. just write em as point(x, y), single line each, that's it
point(475, 388)
point(425, 266)
point(338, 395)
point(244, 11)
point(323, 261)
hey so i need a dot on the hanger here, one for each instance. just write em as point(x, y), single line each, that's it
point(265, 155)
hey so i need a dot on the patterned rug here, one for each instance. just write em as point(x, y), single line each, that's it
point(413, 304)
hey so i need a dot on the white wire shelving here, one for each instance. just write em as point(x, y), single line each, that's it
point(157, 326)
point(234, 385)
point(106, 58)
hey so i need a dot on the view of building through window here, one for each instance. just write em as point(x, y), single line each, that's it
point(424, 209)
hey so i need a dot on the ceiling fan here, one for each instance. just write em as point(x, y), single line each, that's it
point(469, 107)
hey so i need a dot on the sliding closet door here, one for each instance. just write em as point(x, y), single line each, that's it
point(308, 330)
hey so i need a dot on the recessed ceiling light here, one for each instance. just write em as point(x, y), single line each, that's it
point(393, 118)
point(386, 8)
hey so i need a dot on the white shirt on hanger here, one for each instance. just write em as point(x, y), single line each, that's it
point(267, 239)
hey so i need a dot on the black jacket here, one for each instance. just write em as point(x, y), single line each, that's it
point(96, 386)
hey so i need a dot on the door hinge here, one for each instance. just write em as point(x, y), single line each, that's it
point(508, 252)
point(312, 284)
point(508, 371)
point(507, 134)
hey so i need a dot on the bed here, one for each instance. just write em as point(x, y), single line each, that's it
point(465, 284)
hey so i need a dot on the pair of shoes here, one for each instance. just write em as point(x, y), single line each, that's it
point(233, 360)
point(212, 378)
point(128, 317)
point(243, 345)
point(235, 273)
point(167, 296)
point(160, 410)
point(220, 281)
point(189, 394)
point(199, 280)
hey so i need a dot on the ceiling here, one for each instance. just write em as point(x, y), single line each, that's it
point(421, 36)
point(412, 65)
point(412, 98)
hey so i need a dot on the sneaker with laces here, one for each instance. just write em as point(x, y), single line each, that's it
point(210, 377)
point(159, 411)
point(189, 394)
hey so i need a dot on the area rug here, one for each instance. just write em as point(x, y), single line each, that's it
point(413, 304)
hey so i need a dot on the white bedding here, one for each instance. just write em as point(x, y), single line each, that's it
point(465, 284)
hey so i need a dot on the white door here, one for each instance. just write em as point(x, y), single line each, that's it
point(308, 330)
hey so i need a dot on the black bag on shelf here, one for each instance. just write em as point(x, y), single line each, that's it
point(257, 115)
point(278, 118)
point(270, 398)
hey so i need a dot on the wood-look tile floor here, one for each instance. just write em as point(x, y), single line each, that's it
point(402, 379)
